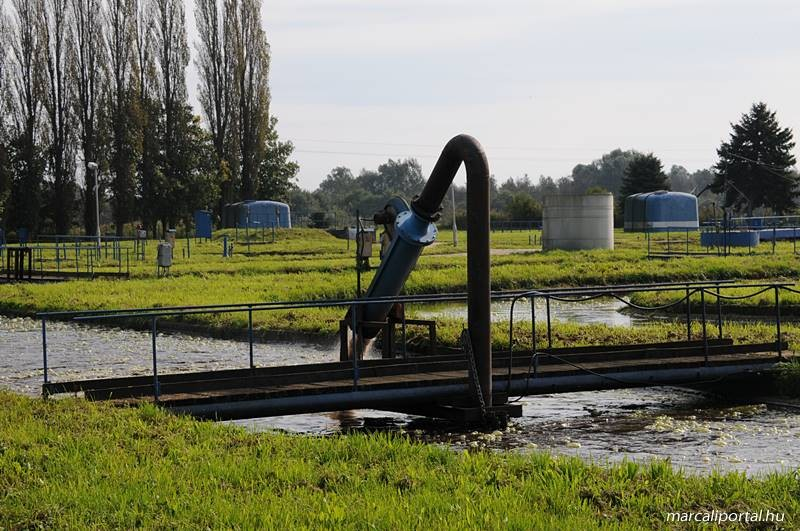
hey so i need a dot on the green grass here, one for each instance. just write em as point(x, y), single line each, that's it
point(787, 379)
point(312, 264)
point(73, 464)
point(758, 301)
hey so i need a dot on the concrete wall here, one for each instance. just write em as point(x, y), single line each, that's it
point(578, 222)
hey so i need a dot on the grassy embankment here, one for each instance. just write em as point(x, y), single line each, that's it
point(310, 264)
point(73, 464)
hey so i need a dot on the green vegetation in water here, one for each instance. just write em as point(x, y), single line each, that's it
point(74, 464)
point(787, 378)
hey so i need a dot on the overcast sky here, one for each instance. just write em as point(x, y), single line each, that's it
point(544, 85)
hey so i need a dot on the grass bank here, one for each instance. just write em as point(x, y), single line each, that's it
point(73, 464)
point(755, 301)
point(787, 379)
point(311, 264)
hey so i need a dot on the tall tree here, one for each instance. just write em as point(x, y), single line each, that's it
point(58, 106)
point(607, 172)
point(119, 95)
point(171, 59)
point(194, 163)
point(644, 173)
point(394, 177)
point(755, 164)
point(217, 96)
point(5, 170)
point(277, 173)
point(151, 182)
point(86, 30)
point(251, 71)
point(26, 99)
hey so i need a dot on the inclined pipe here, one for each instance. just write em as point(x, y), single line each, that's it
point(416, 230)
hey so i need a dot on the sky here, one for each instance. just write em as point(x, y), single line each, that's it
point(542, 84)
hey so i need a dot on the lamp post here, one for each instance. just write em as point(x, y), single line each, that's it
point(92, 166)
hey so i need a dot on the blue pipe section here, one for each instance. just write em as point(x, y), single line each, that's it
point(415, 230)
point(412, 234)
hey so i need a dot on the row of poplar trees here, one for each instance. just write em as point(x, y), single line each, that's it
point(105, 81)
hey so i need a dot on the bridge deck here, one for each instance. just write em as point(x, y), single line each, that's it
point(398, 383)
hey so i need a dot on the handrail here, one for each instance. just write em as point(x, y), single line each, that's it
point(691, 290)
point(445, 297)
point(569, 295)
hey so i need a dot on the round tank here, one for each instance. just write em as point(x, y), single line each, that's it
point(661, 211)
point(575, 222)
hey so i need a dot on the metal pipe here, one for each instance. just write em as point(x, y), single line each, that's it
point(466, 149)
point(377, 398)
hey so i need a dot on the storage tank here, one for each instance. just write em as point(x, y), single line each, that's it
point(661, 211)
point(164, 255)
point(575, 222)
point(257, 214)
point(731, 238)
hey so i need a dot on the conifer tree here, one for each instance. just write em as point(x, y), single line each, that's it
point(755, 164)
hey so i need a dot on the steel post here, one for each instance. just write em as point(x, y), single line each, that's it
point(688, 315)
point(705, 335)
point(778, 322)
point(153, 332)
point(355, 351)
point(549, 330)
point(250, 333)
point(533, 335)
point(44, 348)
point(719, 313)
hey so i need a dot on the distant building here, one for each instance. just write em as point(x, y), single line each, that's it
point(256, 214)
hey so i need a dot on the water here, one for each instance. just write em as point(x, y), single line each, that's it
point(605, 310)
point(689, 428)
point(76, 351)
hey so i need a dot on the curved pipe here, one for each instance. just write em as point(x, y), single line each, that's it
point(466, 149)
point(415, 230)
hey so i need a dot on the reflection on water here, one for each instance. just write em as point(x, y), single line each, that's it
point(598, 311)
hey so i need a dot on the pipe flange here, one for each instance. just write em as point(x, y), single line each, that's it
point(414, 229)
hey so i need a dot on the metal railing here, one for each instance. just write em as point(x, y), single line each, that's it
point(712, 289)
point(570, 295)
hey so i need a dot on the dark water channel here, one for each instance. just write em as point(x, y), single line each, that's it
point(689, 428)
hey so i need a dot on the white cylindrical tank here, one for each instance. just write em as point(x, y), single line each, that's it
point(575, 222)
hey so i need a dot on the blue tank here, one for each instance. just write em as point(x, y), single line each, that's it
point(731, 238)
point(256, 214)
point(661, 211)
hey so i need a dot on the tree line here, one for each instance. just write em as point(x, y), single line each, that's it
point(755, 170)
point(104, 82)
